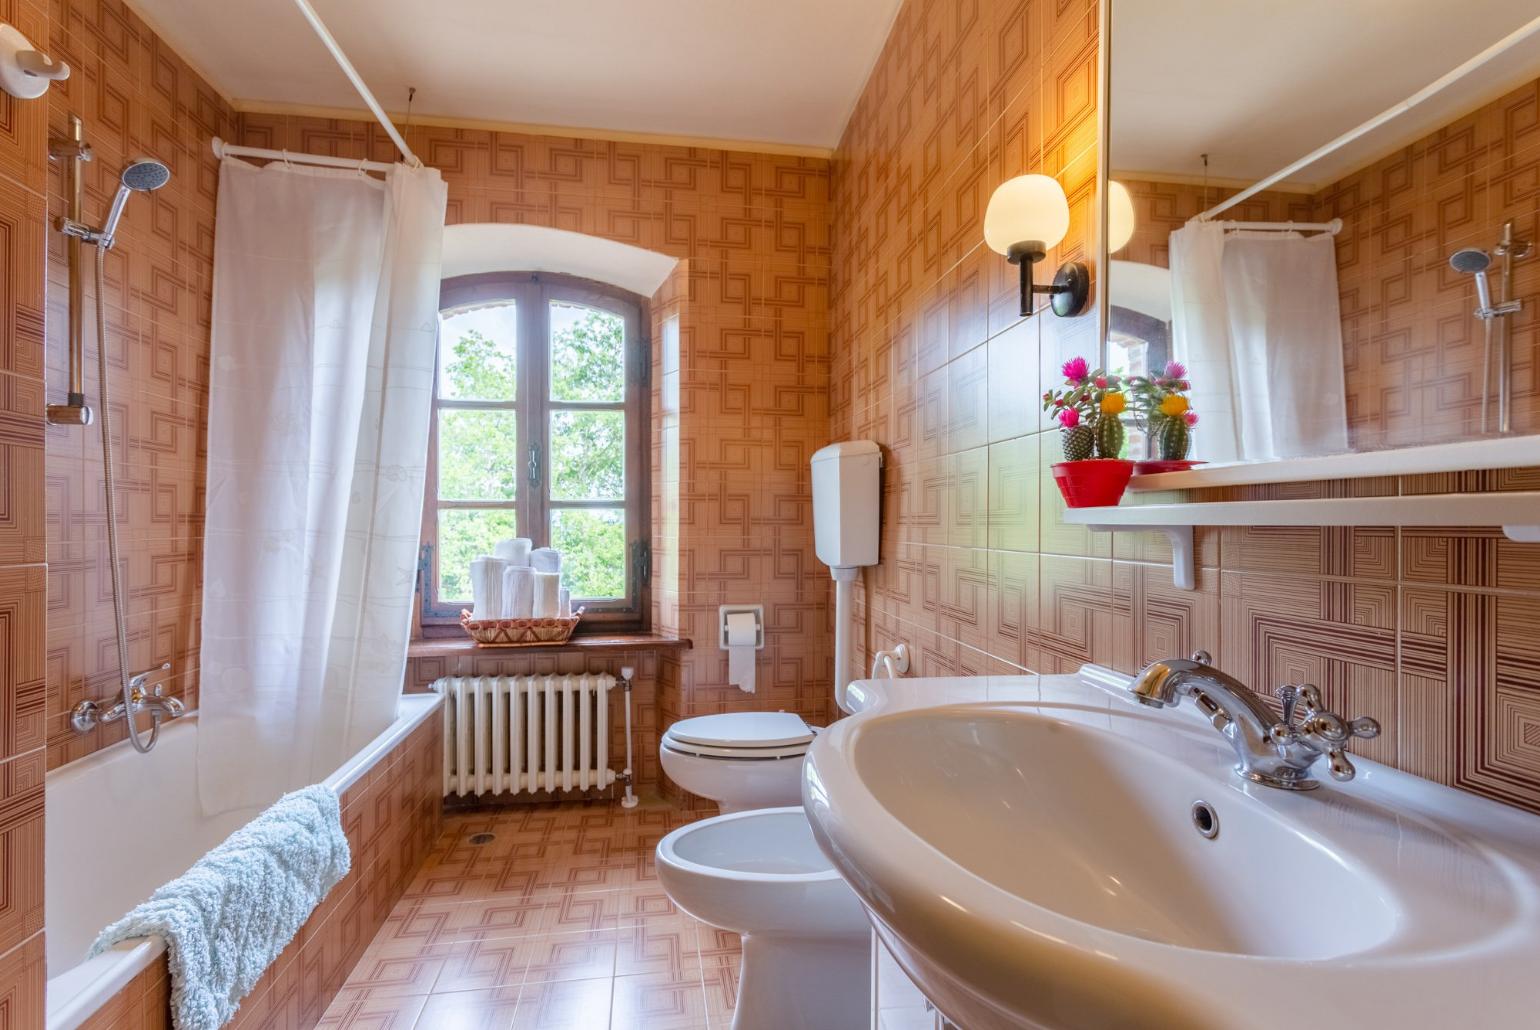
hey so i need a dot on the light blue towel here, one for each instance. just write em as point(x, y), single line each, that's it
point(226, 919)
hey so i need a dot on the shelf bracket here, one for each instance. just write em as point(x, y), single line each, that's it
point(1523, 534)
point(1184, 557)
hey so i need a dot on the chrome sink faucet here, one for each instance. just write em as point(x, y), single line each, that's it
point(1268, 750)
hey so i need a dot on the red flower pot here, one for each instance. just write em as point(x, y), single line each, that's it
point(1093, 483)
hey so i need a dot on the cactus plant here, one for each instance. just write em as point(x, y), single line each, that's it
point(1079, 441)
point(1110, 436)
point(1171, 438)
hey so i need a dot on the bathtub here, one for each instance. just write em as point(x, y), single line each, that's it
point(119, 824)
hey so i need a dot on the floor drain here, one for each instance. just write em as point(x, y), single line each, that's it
point(481, 838)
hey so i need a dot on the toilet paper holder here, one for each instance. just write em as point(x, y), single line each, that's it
point(756, 610)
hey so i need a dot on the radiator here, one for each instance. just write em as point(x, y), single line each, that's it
point(523, 734)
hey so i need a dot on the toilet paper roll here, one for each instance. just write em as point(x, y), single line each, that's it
point(515, 551)
point(545, 559)
point(742, 641)
point(547, 594)
point(518, 591)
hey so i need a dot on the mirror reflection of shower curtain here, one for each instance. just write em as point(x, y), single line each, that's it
point(1257, 320)
point(324, 330)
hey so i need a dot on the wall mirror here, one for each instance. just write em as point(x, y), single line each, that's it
point(1346, 261)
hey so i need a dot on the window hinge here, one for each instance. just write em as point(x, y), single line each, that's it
point(641, 561)
point(644, 362)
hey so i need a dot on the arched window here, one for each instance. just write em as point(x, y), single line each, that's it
point(539, 430)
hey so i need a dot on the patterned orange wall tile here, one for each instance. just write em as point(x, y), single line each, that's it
point(135, 96)
point(1370, 614)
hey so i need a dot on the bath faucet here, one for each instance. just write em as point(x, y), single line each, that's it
point(87, 714)
point(1268, 750)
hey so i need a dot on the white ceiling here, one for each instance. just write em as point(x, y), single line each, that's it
point(777, 71)
point(1257, 84)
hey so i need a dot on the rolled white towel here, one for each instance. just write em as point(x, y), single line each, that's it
point(547, 594)
point(545, 559)
point(518, 591)
point(564, 604)
point(487, 587)
point(515, 551)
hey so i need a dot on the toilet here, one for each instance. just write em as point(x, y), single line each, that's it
point(806, 941)
point(740, 760)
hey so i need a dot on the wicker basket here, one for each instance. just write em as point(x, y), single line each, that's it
point(519, 632)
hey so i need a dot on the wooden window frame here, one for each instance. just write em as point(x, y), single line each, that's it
point(533, 293)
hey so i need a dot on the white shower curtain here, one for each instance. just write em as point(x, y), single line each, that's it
point(1256, 319)
point(324, 328)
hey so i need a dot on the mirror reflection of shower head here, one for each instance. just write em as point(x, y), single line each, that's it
point(142, 175)
point(1474, 261)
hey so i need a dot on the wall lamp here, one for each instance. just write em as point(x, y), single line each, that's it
point(1026, 217)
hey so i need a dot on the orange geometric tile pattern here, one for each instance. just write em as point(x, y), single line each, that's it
point(543, 917)
point(1431, 631)
point(135, 96)
point(23, 536)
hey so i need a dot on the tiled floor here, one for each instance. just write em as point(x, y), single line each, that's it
point(557, 921)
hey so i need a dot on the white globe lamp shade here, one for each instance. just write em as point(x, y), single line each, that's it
point(1120, 216)
point(1027, 215)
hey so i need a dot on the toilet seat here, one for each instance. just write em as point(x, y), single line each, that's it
point(741, 735)
point(738, 753)
point(743, 729)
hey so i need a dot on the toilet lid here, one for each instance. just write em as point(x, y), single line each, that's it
point(743, 730)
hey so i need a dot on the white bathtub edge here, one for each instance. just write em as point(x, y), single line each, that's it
point(86, 987)
point(411, 712)
point(89, 985)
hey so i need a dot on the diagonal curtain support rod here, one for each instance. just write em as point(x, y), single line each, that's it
point(1438, 85)
point(357, 80)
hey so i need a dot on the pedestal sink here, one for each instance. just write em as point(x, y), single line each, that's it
point(1038, 853)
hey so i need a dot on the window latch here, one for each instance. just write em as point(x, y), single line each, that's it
point(534, 464)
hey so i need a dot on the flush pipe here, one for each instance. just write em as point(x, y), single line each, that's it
point(844, 593)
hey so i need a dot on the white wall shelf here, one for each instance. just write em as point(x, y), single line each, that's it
point(1490, 453)
point(1517, 512)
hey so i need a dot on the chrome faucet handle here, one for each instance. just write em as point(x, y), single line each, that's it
point(1320, 729)
point(1202, 657)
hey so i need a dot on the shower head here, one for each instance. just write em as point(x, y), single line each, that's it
point(1471, 259)
point(1474, 261)
point(142, 175)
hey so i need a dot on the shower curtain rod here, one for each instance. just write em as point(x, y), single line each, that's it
point(1486, 56)
point(223, 149)
point(332, 45)
point(1331, 228)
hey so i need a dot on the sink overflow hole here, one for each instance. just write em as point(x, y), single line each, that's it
point(481, 838)
point(1205, 819)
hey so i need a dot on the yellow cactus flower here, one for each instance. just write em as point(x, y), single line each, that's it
point(1173, 404)
point(1113, 403)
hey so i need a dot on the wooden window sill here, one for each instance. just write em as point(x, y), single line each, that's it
point(447, 647)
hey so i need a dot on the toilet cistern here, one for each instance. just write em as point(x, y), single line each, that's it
point(847, 505)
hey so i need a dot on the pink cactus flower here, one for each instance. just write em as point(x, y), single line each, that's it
point(1069, 418)
point(1176, 370)
point(1075, 371)
point(1190, 417)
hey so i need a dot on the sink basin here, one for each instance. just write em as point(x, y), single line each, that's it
point(1110, 840)
point(1038, 853)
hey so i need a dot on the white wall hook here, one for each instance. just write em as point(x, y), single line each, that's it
point(26, 71)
